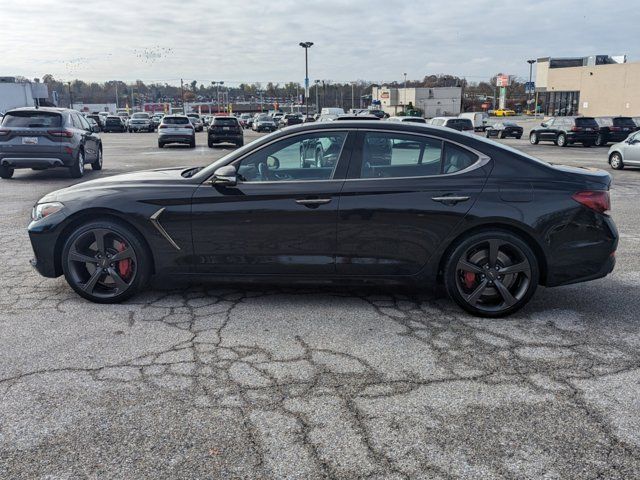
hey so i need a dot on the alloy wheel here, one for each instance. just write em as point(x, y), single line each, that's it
point(102, 263)
point(493, 275)
point(616, 161)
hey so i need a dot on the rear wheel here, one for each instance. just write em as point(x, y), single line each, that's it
point(240, 143)
point(192, 143)
point(160, 145)
point(518, 137)
point(97, 164)
point(209, 143)
point(105, 262)
point(533, 138)
point(6, 171)
point(77, 169)
point(616, 161)
point(491, 274)
point(561, 140)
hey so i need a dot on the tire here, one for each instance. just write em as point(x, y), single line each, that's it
point(77, 169)
point(616, 161)
point(518, 137)
point(587, 144)
point(97, 165)
point(99, 279)
point(486, 286)
point(192, 143)
point(209, 143)
point(6, 171)
point(160, 145)
point(501, 135)
point(240, 143)
point(533, 138)
point(600, 141)
point(561, 140)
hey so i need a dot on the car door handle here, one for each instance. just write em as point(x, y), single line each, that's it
point(450, 200)
point(313, 202)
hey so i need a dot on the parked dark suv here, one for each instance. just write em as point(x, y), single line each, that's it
point(225, 130)
point(565, 131)
point(41, 138)
point(614, 129)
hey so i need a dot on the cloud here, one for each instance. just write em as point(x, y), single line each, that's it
point(257, 41)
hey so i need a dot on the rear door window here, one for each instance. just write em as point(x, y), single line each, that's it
point(394, 155)
point(32, 119)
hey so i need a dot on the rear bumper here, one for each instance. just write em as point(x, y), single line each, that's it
point(582, 137)
point(45, 160)
point(175, 138)
point(226, 138)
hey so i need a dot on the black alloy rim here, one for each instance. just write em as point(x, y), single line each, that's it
point(493, 275)
point(102, 263)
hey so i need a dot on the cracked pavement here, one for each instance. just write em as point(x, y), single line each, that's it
point(211, 381)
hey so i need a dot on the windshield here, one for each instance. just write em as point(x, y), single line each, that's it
point(624, 122)
point(32, 119)
point(175, 120)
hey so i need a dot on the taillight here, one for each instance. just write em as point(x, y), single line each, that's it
point(163, 126)
point(4, 131)
point(190, 126)
point(597, 200)
point(60, 133)
point(576, 129)
point(615, 129)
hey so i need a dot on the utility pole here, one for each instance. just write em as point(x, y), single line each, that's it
point(70, 96)
point(184, 112)
point(405, 93)
point(317, 104)
point(306, 46)
point(116, 95)
point(530, 62)
point(353, 98)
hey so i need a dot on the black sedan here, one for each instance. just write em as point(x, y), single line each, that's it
point(504, 130)
point(394, 203)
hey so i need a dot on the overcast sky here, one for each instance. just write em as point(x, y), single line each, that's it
point(257, 41)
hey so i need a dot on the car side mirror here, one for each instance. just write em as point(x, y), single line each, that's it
point(543, 124)
point(225, 176)
point(95, 128)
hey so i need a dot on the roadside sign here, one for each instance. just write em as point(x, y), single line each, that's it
point(529, 87)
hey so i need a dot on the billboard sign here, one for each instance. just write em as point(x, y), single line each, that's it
point(502, 81)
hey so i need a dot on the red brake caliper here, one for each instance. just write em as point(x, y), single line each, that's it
point(124, 266)
point(469, 279)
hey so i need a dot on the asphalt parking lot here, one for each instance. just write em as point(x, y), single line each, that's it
point(209, 381)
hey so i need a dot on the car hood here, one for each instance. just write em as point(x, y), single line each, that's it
point(115, 183)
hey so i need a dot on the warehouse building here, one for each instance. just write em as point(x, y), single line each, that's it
point(598, 85)
point(16, 93)
point(434, 102)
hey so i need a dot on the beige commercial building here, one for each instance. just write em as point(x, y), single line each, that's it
point(434, 102)
point(593, 86)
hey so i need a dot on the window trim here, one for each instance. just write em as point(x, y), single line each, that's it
point(483, 158)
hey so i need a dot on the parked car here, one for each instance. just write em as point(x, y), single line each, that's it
point(479, 120)
point(406, 118)
point(156, 118)
point(176, 129)
point(448, 208)
point(614, 129)
point(504, 112)
point(140, 122)
point(225, 130)
point(95, 127)
point(565, 131)
point(636, 120)
point(114, 123)
point(196, 121)
point(504, 130)
point(378, 113)
point(41, 138)
point(625, 153)
point(460, 124)
point(289, 119)
point(243, 120)
point(263, 123)
point(358, 118)
point(103, 116)
point(95, 118)
point(332, 111)
point(320, 152)
point(277, 116)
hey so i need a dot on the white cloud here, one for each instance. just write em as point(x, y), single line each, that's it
point(258, 40)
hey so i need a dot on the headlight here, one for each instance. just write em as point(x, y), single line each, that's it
point(43, 210)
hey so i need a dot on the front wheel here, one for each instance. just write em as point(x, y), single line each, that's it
point(491, 273)
point(97, 165)
point(616, 161)
point(105, 261)
point(533, 139)
point(77, 169)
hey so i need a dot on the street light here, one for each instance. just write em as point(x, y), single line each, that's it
point(405, 93)
point(530, 62)
point(317, 104)
point(306, 46)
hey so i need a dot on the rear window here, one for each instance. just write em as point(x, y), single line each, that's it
point(175, 120)
point(112, 120)
point(140, 115)
point(586, 122)
point(227, 122)
point(415, 120)
point(32, 119)
point(464, 122)
point(624, 122)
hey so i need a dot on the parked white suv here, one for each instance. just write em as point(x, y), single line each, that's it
point(140, 122)
point(176, 129)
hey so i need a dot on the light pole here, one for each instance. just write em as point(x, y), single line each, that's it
point(306, 46)
point(530, 62)
point(405, 93)
point(317, 104)
point(70, 97)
